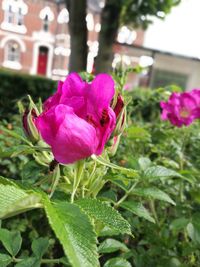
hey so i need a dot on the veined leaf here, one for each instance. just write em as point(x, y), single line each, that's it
point(5, 260)
point(104, 213)
point(14, 200)
point(154, 193)
point(117, 262)
point(157, 172)
point(11, 241)
point(138, 209)
point(75, 232)
point(111, 245)
point(40, 246)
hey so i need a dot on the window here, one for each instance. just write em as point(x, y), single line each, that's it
point(13, 52)
point(14, 12)
point(47, 16)
point(163, 78)
point(9, 15)
point(46, 23)
point(20, 17)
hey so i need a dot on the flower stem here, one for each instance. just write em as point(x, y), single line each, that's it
point(125, 196)
point(47, 261)
point(77, 177)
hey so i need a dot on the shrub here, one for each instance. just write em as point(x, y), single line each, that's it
point(16, 86)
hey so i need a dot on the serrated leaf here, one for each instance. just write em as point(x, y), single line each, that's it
point(11, 240)
point(157, 172)
point(111, 245)
point(104, 213)
point(75, 232)
point(29, 262)
point(14, 200)
point(154, 193)
point(5, 260)
point(107, 231)
point(117, 262)
point(138, 209)
point(40, 246)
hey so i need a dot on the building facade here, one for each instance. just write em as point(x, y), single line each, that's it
point(34, 37)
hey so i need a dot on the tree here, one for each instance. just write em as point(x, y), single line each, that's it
point(136, 13)
point(78, 34)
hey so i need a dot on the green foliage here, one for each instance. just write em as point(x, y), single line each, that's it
point(117, 262)
point(150, 187)
point(75, 232)
point(111, 245)
point(138, 209)
point(16, 86)
point(140, 13)
point(14, 200)
point(105, 214)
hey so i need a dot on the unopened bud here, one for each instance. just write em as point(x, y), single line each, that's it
point(120, 112)
point(119, 105)
point(114, 145)
point(29, 127)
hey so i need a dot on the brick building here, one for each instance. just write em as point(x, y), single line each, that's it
point(34, 36)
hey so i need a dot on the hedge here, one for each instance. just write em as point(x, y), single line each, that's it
point(16, 86)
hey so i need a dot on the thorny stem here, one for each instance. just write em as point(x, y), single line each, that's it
point(125, 196)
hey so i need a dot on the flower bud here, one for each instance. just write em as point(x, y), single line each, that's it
point(120, 112)
point(114, 145)
point(29, 127)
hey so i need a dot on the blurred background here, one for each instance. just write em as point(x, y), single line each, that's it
point(51, 38)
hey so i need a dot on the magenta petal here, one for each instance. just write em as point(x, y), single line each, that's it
point(187, 101)
point(54, 99)
point(73, 86)
point(101, 91)
point(106, 131)
point(70, 137)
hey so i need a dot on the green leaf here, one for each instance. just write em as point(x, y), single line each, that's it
point(5, 260)
point(137, 133)
point(40, 246)
point(144, 163)
point(75, 232)
point(12, 241)
point(14, 134)
point(104, 213)
point(111, 245)
point(130, 172)
point(29, 262)
point(106, 231)
point(138, 209)
point(193, 232)
point(154, 193)
point(157, 172)
point(117, 262)
point(179, 224)
point(14, 200)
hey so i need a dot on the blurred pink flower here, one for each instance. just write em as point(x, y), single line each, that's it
point(182, 108)
point(77, 120)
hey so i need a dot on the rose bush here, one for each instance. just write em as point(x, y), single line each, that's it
point(182, 108)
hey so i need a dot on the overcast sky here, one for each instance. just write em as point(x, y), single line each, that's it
point(179, 32)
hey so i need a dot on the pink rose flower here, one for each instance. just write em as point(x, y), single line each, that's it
point(77, 120)
point(182, 108)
